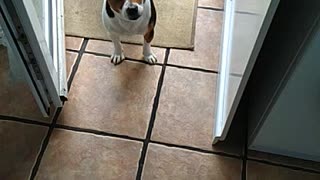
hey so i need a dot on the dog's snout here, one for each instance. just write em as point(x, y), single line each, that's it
point(133, 12)
point(133, 7)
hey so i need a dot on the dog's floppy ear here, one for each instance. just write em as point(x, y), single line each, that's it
point(108, 9)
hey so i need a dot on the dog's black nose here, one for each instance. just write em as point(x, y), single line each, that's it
point(133, 12)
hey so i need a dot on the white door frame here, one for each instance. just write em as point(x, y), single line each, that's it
point(223, 120)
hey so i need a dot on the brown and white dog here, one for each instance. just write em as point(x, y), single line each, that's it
point(130, 17)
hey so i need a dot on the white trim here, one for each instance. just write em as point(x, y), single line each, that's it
point(54, 33)
point(46, 22)
point(223, 121)
point(223, 81)
point(37, 40)
point(253, 57)
point(54, 30)
point(62, 69)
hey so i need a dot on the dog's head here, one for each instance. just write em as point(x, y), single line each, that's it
point(128, 9)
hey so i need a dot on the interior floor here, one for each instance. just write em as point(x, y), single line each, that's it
point(134, 121)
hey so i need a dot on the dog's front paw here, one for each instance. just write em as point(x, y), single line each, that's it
point(117, 58)
point(151, 58)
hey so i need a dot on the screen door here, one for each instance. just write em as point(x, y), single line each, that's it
point(35, 31)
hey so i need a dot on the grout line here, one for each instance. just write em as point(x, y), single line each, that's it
point(126, 59)
point(76, 64)
point(166, 56)
point(192, 68)
point(102, 133)
point(245, 152)
point(72, 50)
point(98, 54)
point(75, 36)
point(96, 132)
point(152, 118)
point(194, 149)
point(132, 43)
point(142, 61)
point(44, 145)
point(284, 166)
point(70, 128)
point(25, 121)
point(57, 113)
point(158, 64)
point(210, 8)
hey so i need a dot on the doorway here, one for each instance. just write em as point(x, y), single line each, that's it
point(134, 115)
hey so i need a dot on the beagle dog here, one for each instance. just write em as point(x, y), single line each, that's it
point(130, 17)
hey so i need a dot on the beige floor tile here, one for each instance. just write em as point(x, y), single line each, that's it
point(212, 3)
point(284, 160)
point(207, 43)
point(130, 50)
point(20, 145)
point(171, 163)
point(186, 109)
point(258, 171)
point(73, 43)
point(116, 99)
point(73, 155)
point(71, 58)
point(16, 97)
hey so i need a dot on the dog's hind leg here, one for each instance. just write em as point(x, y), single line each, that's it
point(117, 57)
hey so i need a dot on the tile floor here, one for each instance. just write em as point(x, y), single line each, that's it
point(136, 121)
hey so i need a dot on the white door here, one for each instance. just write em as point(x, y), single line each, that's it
point(245, 26)
point(35, 31)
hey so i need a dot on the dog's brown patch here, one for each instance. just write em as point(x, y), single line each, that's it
point(116, 5)
point(137, 1)
point(149, 35)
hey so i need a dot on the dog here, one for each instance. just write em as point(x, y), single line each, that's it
point(130, 17)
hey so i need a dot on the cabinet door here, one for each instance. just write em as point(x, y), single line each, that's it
point(35, 31)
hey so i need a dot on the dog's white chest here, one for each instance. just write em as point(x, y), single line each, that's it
point(120, 25)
